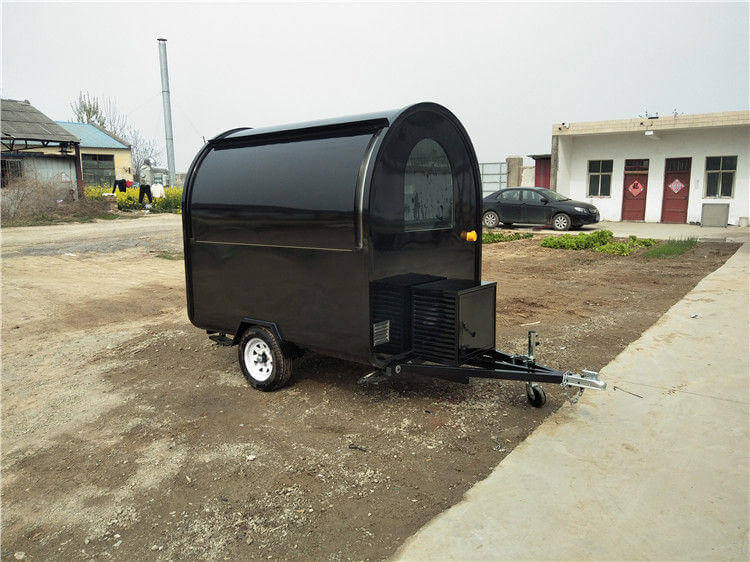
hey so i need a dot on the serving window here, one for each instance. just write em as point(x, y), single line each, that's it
point(428, 188)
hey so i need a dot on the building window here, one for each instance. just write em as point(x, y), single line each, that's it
point(98, 169)
point(720, 171)
point(634, 166)
point(11, 169)
point(428, 188)
point(600, 178)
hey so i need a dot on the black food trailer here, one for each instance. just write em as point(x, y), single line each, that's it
point(356, 237)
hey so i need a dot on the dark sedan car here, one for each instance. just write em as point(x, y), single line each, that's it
point(536, 205)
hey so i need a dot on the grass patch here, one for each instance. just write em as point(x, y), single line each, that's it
point(671, 248)
point(599, 241)
point(174, 256)
point(492, 237)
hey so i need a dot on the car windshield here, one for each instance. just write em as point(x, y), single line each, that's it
point(553, 195)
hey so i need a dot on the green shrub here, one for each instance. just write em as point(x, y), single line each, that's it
point(618, 248)
point(580, 241)
point(492, 237)
point(599, 241)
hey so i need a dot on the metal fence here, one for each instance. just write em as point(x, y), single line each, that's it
point(494, 176)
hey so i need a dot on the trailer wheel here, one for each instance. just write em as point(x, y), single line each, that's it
point(536, 395)
point(264, 364)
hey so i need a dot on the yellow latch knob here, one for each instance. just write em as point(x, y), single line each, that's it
point(470, 236)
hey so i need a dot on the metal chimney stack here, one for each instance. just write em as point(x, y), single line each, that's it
point(167, 109)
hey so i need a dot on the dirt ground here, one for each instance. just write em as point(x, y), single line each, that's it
point(126, 433)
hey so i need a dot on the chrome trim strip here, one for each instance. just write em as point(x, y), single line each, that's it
point(361, 177)
point(273, 246)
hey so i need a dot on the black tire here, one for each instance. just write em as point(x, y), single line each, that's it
point(561, 221)
point(490, 219)
point(536, 395)
point(272, 368)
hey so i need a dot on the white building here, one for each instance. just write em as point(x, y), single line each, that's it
point(683, 168)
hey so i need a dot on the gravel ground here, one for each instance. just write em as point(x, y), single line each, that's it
point(126, 433)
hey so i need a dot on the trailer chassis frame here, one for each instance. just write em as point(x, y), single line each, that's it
point(494, 364)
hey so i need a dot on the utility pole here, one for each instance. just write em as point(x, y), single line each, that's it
point(167, 109)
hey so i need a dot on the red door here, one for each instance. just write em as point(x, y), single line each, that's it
point(676, 190)
point(634, 190)
point(541, 172)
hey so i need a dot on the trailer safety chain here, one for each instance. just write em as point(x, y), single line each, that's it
point(565, 386)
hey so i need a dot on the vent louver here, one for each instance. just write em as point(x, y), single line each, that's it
point(381, 332)
point(434, 326)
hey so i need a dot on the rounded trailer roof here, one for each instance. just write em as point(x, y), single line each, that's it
point(346, 125)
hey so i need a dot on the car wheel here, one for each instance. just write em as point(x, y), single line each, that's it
point(490, 219)
point(264, 364)
point(561, 221)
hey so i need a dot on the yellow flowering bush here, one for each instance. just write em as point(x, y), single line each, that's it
point(128, 201)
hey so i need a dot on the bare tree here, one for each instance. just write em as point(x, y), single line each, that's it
point(87, 109)
point(104, 113)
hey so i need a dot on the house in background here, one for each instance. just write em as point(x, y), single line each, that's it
point(104, 156)
point(33, 145)
point(676, 169)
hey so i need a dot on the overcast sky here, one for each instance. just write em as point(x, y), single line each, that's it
point(508, 71)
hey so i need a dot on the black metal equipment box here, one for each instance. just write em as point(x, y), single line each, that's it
point(452, 319)
point(390, 305)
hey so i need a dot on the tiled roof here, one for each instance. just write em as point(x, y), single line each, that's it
point(19, 120)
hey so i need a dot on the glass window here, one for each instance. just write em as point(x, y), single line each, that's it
point(720, 172)
point(531, 196)
point(604, 185)
point(712, 184)
point(554, 196)
point(511, 195)
point(98, 169)
point(600, 178)
point(713, 163)
point(428, 188)
point(727, 179)
point(728, 162)
point(639, 165)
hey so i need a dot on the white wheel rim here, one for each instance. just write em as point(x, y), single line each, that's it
point(561, 222)
point(490, 219)
point(258, 359)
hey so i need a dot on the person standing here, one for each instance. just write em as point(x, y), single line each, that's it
point(147, 179)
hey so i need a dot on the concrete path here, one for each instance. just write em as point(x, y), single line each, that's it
point(660, 231)
point(662, 475)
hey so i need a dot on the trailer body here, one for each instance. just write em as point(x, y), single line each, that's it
point(292, 226)
point(356, 237)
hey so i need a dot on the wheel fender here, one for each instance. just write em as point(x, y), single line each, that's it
point(247, 322)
